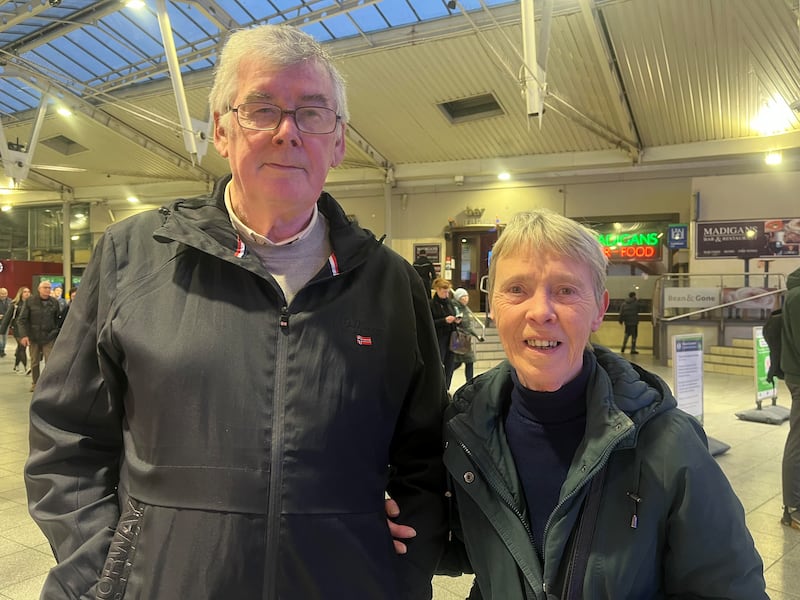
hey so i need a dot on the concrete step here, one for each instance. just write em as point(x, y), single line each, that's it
point(736, 359)
point(731, 351)
point(728, 369)
point(742, 342)
point(728, 359)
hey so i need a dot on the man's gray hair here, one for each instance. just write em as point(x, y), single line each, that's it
point(278, 46)
point(547, 232)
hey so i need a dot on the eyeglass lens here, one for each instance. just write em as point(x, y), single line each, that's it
point(265, 117)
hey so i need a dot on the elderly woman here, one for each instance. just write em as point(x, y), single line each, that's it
point(574, 473)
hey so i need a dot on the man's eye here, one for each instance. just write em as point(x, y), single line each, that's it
point(263, 111)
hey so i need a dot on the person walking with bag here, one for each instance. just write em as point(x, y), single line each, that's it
point(471, 326)
point(446, 319)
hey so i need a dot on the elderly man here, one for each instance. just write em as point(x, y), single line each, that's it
point(244, 376)
point(38, 324)
point(574, 473)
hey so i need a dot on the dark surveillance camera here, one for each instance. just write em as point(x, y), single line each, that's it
point(54, 3)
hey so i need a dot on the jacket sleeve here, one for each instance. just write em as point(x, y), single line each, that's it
point(417, 481)
point(709, 551)
point(23, 321)
point(5, 322)
point(76, 443)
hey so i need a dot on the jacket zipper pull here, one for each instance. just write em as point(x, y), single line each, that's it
point(285, 318)
point(634, 517)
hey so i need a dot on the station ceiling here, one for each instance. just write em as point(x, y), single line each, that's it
point(441, 92)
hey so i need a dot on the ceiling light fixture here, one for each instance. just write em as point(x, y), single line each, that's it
point(133, 200)
point(775, 116)
point(773, 158)
point(64, 111)
point(504, 176)
point(6, 207)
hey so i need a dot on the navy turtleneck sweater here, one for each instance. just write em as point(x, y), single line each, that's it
point(543, 430)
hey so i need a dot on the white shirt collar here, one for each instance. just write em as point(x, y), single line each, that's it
point(263, 240)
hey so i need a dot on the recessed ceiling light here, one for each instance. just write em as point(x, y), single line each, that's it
point(504, 176)
point(773, 158)
point(64, 111)
point(133, 200)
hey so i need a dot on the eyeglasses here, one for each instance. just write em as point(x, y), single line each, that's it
point(261, 116)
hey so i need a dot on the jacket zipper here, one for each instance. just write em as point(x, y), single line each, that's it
point(272, 522)
point(570, 567)
point(501, 493)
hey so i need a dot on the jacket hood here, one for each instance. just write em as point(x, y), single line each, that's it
point(793, 279)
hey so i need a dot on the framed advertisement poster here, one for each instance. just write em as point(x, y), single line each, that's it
point(432, 251)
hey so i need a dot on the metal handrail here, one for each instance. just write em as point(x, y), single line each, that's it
point(718, 306)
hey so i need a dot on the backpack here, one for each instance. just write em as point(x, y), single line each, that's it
point(772, 331)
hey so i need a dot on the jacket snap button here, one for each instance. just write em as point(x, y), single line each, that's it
point(469, 476)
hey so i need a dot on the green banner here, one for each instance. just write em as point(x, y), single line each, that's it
point(764, 389)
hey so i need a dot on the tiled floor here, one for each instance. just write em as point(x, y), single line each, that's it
point(752, 464)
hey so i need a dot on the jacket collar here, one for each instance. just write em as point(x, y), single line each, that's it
point(203, 222)
point(621, 398)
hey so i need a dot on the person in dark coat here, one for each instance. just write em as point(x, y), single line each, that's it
point(38, 325)
point(252, 464)
point(425, 268)
point(629, 317)
point(446, 317)
point(9, 322)
point(790, 365)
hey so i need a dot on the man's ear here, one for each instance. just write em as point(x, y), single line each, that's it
point(339, 147)
point(220, 135)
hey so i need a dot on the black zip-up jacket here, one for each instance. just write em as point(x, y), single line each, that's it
point(39, 319)
point(194, 437)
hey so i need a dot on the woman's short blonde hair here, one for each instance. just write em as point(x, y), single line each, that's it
point(546, 232)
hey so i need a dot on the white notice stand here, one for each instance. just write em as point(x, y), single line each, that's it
point(687, 373)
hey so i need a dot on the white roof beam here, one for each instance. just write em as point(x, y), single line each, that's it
point(610, 74)
point(45, 85)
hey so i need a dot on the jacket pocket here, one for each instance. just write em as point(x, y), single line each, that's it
point(114, 576)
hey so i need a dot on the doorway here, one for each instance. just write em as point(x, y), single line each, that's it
point(470, 249)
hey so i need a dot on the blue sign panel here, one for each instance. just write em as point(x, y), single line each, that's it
point(678, 236)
